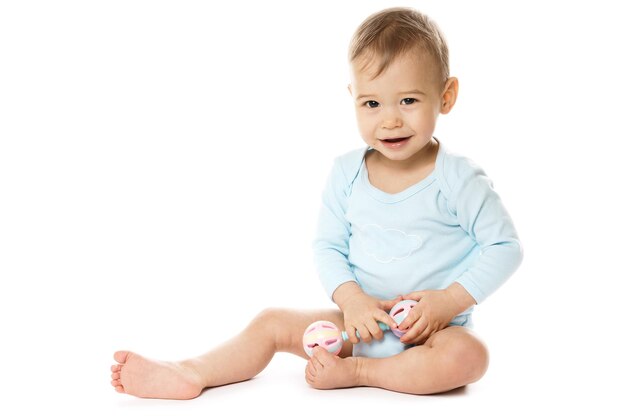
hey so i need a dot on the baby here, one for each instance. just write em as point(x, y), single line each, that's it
point(402, 218)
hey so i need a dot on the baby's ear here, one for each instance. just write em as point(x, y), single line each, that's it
point(450, 93)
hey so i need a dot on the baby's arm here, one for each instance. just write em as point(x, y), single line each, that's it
point(331, 249)
point(361, 312)
point(482, 215)
point(331, 244)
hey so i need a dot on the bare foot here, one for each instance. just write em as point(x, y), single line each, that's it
point(327, 371)
point(145, 378)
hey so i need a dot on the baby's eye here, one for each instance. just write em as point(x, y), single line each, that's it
point(371, 104)
point(408, 101)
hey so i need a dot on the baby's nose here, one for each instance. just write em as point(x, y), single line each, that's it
point(391, 120)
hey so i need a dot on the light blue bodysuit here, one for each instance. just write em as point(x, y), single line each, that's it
point(450, 226)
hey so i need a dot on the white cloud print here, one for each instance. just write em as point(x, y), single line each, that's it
point(386, 244)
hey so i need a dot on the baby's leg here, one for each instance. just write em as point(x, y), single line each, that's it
point(236, 360)
point(450, 358)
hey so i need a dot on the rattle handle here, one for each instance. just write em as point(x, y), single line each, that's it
point(382, 326)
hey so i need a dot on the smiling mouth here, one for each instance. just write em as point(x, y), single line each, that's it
point(392, 140)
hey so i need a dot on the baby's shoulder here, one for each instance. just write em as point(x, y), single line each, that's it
point(349, 163)
point(351, 158)
point(456, 169)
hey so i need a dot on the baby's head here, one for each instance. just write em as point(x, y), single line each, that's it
point(400, 80)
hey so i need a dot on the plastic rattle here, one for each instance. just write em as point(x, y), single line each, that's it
point(399, 312)
point(327, 335)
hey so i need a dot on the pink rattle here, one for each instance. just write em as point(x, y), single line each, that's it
point(325, 334)
point(399, 312)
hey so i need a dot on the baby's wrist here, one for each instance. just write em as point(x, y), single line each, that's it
point(346, 292)
point(461, 297)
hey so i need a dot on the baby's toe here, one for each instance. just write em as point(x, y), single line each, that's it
point(310, 374)
point(315, 360)
point(121, 356)
point(322, 357)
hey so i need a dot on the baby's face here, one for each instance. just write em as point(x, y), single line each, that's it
point(402, 102)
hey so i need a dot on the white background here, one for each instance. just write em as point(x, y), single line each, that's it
point(161, 165)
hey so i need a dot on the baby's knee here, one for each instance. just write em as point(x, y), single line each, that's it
point(470, 358)
point(274, 322)
point(268, 319)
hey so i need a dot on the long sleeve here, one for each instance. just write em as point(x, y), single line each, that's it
point(331, 244)
point(482, 215)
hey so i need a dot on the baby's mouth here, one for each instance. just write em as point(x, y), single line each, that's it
point(392, 140)
point(395, 143)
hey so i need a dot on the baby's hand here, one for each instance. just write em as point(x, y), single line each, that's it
point(435, 310)
point(361, 313)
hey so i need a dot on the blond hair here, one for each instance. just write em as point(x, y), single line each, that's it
point(392, 32)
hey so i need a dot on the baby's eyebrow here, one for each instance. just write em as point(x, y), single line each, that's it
point(360, 96)
point(415, 91)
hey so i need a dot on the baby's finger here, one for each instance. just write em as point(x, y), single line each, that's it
point(412, 317)
point(364, 333)
point(385, 319)
point(421, 339)
point(386, 305)
point(416, 296)
point(352, 334)
point(417, 329)
point(424, 336)
point(374, 329)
